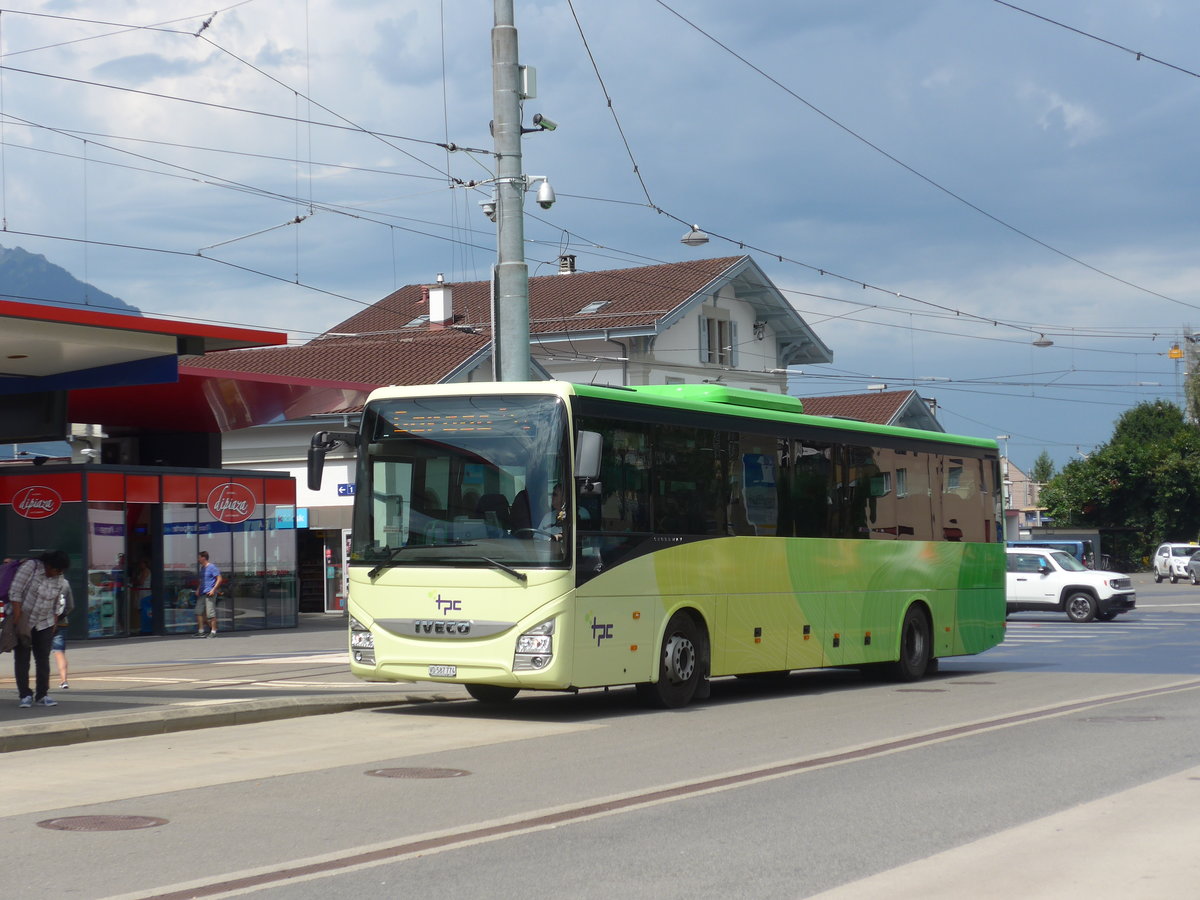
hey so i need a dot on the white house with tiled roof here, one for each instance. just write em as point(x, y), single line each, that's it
point(670, 323)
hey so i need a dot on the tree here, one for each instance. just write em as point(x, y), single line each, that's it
point(1144, 483)
point(1043, 469)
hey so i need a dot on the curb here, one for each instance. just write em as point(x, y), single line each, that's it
point(160, 720)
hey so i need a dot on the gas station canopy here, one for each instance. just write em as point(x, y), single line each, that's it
point(48, 351)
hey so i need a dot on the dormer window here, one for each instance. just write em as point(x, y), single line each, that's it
point(718, 340)
point(593, 307)
point(418, 322)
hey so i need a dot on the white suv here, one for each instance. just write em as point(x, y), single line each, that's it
point(1171, 561)
point(1044, 580)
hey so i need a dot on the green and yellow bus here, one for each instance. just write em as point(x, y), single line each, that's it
point(556, 536)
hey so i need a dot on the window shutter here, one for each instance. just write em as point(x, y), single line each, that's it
point(703, 339)
point(733, 345)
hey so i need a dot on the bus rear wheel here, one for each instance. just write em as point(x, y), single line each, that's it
point(915, 647)
point(492, 694)
point(680, 665)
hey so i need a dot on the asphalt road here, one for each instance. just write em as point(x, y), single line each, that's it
point(1063, 763)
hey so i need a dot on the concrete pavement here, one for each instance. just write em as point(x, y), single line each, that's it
point(151, 685)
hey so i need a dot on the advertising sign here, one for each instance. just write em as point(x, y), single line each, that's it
point(231, 503)
point(36, 502)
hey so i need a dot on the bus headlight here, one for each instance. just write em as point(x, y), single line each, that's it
point(362, 643)
point(535, 648)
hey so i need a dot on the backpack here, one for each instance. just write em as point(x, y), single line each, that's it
point(8, 571)
point(8, 633)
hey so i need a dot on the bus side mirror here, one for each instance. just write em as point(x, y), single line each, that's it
point(322, 443)
point(588, 447)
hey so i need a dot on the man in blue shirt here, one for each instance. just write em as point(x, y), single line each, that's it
point(206, 596)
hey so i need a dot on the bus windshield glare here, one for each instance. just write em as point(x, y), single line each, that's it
point(462, 481)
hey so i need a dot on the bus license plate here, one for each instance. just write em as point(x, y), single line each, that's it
point(443, 671)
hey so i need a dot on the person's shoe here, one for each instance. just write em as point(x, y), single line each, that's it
point(212, 634)
point(63, 686)
point(27, 702)
point(200, 634)
point(47, 701)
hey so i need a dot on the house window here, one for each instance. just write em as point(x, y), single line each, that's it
point(718, 341)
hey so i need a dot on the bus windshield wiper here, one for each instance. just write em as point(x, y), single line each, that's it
point(396, 551)
point(520, 576)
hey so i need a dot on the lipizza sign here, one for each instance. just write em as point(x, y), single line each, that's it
point(231, 503)
point(36, 502)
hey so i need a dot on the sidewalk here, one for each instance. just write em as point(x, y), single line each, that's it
point(129, 687)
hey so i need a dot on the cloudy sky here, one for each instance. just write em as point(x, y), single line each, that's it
point(934, 184)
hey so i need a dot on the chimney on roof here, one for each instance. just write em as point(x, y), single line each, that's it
point(441, 302)
point(566, 264)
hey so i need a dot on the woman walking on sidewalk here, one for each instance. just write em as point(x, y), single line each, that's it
point(34, 596)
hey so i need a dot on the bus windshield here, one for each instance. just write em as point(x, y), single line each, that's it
point(462, 481)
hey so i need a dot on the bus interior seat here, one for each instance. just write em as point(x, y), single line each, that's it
point(520, 516)
point(493, 509)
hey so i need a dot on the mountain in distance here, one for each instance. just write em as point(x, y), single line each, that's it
point(31, 278)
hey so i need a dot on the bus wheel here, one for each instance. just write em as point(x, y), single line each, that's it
point(915, 650)
point(1081, 607)
point(491, 693)
point(679, 665)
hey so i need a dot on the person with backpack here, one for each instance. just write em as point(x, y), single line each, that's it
point(33, 601)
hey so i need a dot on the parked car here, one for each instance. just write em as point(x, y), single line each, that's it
point(1045, 580)
point(1193, 568)
point(1171, 561)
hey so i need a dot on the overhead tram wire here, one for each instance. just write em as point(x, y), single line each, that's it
point(123, 28)
point(742, 244)
point(206, 178)
point(636, 169)
point(945, 190)
point(628, 149)
point(350, 124)
point(1137, 54)
point(608, 99)
point(381, 135)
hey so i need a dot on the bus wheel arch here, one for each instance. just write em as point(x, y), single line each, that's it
point(683, 663)
point(915, 647)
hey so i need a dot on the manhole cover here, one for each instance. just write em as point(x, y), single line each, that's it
point(972, 682)
point(102, 823)
point(920, 690)
point(1123, 719)
point(417, 773)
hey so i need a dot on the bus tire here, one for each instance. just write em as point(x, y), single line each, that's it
point(1080, 606)
point(491, 694)
point(916, 646)
point(681, 664)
